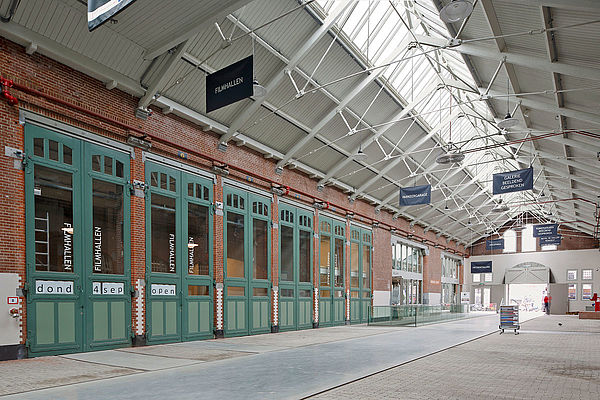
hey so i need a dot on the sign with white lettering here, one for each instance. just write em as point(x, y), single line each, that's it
point(494, 244)
point(230, 84)
point(514, 181)
point(411, 196)
point(67, 247)
point(550, 240)
point(481, 267)
point(162, 290)
point(108, 288)
point(100, 11)
point(97, 249)
point(54, 287)
point(545, 230)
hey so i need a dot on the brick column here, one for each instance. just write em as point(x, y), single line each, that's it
point(218, 258)
point(138, 252)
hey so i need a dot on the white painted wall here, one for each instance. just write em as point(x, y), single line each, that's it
point(9, 326)
point(558, 262)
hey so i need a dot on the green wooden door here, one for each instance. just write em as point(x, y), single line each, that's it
point(77, 235)
point(360, 274)
point(331, 272)
point(295, 268)
point(178, 255)
point(247, 244)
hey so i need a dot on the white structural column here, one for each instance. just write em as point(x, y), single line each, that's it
point(292, 64)
point(366, 81)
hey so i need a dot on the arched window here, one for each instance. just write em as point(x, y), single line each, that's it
point(528, 242)
point(510, 241)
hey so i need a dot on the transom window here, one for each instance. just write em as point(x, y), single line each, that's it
point(162, 181)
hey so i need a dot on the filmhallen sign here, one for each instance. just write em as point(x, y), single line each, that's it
point(514, 181)
point(412, 196)
point(230, 84)
point(100, 11)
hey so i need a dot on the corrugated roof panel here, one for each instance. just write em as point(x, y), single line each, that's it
point(578, 45)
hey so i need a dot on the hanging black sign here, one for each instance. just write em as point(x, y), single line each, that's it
point(481, 267)
point(550, 240)
point(230, 84)
point(411, 196)
point(545, 230)
point(494, 244)
point(100, 11)
point(514, 181)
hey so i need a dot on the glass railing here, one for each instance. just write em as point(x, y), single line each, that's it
point(416, 314)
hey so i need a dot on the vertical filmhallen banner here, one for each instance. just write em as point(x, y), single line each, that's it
point(415, 195)
point(100, 11)
point(230, 84)
point(514, 181)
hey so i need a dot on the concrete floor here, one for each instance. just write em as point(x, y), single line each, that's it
point(304, 363)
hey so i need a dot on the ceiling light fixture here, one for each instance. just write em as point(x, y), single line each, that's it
point(258, 90)
point(456, 11)
point(500, 208)
point(360, 154)
point(508, 122)
point(451, 156)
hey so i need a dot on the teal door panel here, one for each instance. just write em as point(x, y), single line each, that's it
point(295, 267)
point(77, 235)
point(247, 250)
point(179, 255)
point(332, 265)
point(360, 274)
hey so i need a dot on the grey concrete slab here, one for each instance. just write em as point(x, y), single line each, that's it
point(188, 351)
point(143, 362)
point(290, 373)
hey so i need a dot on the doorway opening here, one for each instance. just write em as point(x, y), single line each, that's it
point(528, 296)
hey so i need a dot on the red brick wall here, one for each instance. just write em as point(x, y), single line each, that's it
point(50, 77)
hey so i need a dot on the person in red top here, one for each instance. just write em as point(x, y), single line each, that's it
point(547, 304)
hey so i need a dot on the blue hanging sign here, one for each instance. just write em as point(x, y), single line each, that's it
point(550, 240)
point(230, 84)
point(494, 244)
point(514, 181)
point(545, 230)
point(100, 11)
point(481, 267)
point(411, 196)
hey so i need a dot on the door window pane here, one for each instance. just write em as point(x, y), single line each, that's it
point(236, 291)
point(366, 264)
point(260, 249)
point(354, 278)
point(197, 239)
point(108, 236)
point(258, 291)
point(586, 291)
point(572, 290)
point(324, 263)
point(163, 234)
point(287, 292)
point(304, 293)
point(287, 253)
point(572, 275)
point(235, 245)
point(304, 268)
point(53, 220)
point(198, 290)
point(339, 262)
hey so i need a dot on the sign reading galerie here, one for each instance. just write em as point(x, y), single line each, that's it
point(514, 181)
point(411, 196)
point(230, 84)
point(545, 230)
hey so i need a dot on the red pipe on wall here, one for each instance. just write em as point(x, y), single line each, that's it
point(169, 143)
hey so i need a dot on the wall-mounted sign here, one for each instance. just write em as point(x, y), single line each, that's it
point(230, 84)
point(411, 196)
point(514, 181)
point(162, 290)
point(545, 230)
point(54, 287)
point(100, 11)
point(550, 240)
point(465, 297)
point(481, 267)
point(494, 244)
point(12, 300)
point(108, 288)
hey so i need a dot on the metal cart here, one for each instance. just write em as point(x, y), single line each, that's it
point(509, 318)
